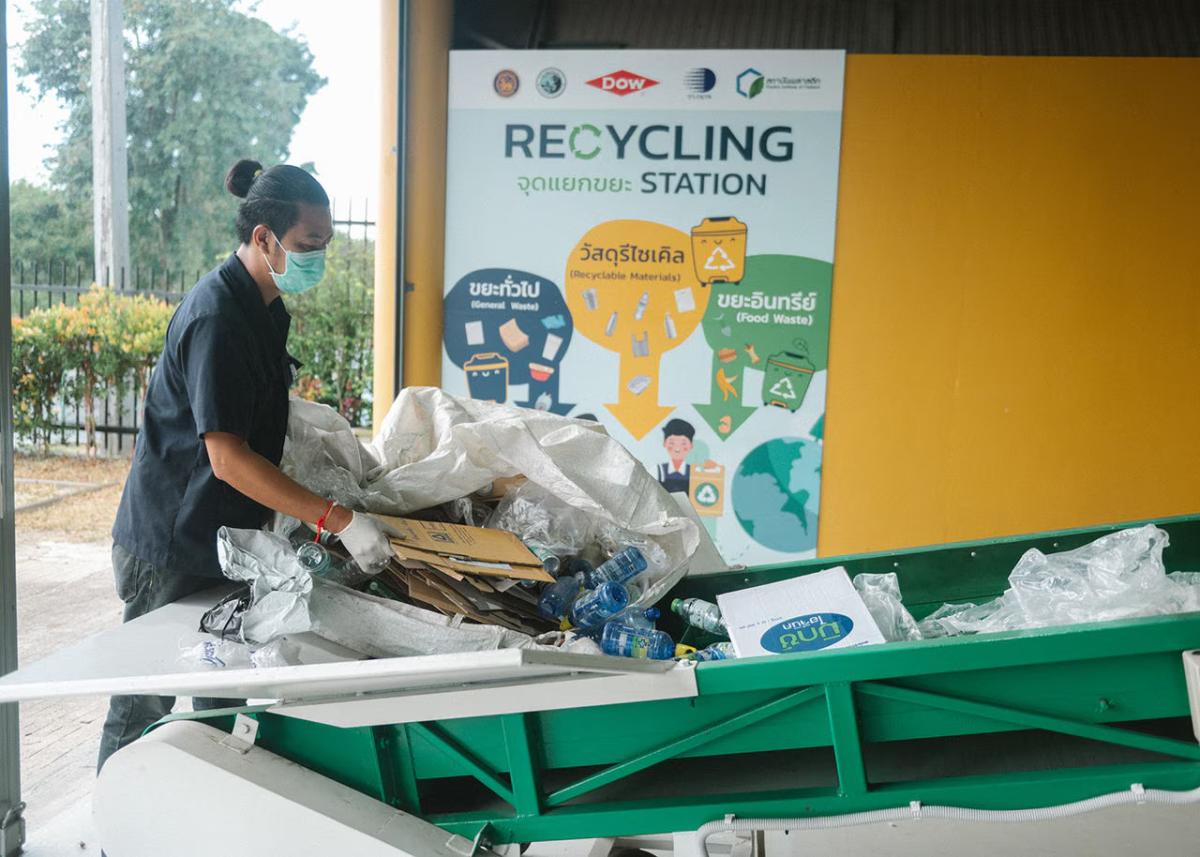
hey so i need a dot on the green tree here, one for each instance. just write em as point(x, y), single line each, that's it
point(46, 228)
point(206, 84)
point(332, 331)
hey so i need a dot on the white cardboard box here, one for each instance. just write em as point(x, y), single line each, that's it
point(803, 614)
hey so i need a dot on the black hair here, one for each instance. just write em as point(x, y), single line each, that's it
point(679, 427)
point(271, 196)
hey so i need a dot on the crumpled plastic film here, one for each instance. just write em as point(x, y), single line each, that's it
point(881, 594)
point(434, 448)
point(1118, 576)
point(286, 599)
point(279, 585)
point(535, 515)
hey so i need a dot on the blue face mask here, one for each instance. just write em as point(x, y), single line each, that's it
point(301, 271)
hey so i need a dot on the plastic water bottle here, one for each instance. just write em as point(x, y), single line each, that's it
point(579, 565)
point(558, 597)
point(549, 558)
point(594, 608)
point(700, 614)
point(314, 559)
point(636, 618)
point(628, 642)
point(715, 652)
point(624, 566)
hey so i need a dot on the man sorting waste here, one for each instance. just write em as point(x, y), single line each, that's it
point(216, 416)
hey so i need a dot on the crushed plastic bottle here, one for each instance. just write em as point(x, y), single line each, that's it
point(557, 597)
point(578, 565)
point(628, 642)
point(594, 608)
point(700, 614)
point(624, 566)
point(716, 652)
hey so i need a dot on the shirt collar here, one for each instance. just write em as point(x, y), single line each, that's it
point(274, 317)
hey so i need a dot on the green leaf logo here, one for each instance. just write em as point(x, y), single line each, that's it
point(756, 87)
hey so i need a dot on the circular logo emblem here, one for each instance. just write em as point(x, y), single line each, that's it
point(579, 148)
point(506, 83)
point(707, 494)
point(551, 82)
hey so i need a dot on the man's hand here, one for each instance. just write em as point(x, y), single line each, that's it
point(364, 538)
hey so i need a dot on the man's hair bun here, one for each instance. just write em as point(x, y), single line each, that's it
point(241, 175)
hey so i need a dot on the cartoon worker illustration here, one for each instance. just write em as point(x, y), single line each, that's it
point(675, 474)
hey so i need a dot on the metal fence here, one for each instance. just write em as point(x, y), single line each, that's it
point(49, 282)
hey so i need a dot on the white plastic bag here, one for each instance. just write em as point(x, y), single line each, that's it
point(434, 447)
point(1118, 576)
point(881, 594)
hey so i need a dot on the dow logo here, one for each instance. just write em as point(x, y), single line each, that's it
point(807, 633)
point(622, 82)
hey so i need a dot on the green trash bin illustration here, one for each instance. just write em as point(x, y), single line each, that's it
point(787, 377)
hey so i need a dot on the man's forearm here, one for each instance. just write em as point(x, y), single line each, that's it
point(249, 473)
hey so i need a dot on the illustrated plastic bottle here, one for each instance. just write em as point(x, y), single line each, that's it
point(624, 566)
point(640, 309)
point(716, 652)
point(700, 614)
point(594, 608)
point(558, 597)
point(628, 642)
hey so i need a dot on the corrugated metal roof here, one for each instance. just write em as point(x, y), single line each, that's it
point(1021, 27)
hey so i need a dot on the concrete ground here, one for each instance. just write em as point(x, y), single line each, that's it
point(64, 593)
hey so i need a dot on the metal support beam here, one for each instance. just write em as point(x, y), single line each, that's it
point(684, 744)
point(439, 739)
point(522, 763)
point(12, 826)
point(110, 166)
point(847, 745)
point(1033, 720)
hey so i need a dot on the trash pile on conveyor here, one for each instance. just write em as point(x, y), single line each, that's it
point(513, 528)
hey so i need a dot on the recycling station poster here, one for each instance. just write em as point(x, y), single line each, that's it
point(645, 238)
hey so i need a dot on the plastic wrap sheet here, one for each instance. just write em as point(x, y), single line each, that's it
point(1118, 576)
point(434, 448)
point(287, 600)
point(279, 585)
point(881, 594)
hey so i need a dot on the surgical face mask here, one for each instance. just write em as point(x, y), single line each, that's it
point(301, 271)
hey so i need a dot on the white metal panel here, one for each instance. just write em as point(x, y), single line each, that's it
point(142, 657)
point(181, 791)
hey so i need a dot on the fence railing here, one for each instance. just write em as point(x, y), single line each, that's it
point(46, 283)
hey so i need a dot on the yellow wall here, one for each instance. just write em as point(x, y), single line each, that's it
point(1016, 313)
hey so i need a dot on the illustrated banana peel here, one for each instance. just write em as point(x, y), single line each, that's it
point(725, 385)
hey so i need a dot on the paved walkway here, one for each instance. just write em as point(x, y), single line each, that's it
point(64, 594)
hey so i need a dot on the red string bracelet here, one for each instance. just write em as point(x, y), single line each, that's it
point(321, 520)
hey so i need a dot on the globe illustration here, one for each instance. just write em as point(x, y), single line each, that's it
point(776, 494)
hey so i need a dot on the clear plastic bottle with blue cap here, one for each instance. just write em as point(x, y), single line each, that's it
point(594, 608)
point(627, 641)
point(556, 599)
point(623, 567)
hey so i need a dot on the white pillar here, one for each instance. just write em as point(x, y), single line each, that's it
point(110, 170)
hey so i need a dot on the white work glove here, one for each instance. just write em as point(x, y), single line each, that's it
point(367, 542)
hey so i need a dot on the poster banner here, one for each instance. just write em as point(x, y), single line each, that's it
point(645, 238)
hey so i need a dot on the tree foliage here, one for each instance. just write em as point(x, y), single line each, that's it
point(206, 84)
point(332, 332)
point(45, 227)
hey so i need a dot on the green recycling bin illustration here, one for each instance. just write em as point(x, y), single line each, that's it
point(787, 377)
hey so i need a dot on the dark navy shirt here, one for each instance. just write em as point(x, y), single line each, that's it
point(224, 368)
